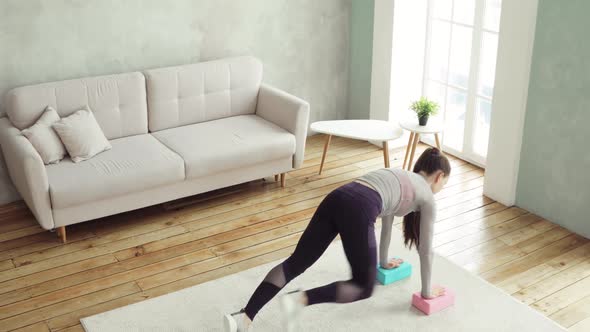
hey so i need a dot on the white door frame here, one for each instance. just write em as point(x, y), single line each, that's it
point(515, 48)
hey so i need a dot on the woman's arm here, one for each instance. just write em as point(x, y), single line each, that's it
point(427, 219)
point(386, 224)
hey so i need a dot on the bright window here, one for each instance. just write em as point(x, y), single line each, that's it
point(460, 65)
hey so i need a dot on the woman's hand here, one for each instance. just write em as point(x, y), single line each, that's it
point(393, 263)
point(437, 291)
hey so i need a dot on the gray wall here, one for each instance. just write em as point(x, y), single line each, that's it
point(554, 175)
point(304, 44)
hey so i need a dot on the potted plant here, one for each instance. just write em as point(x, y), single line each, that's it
point(424, 108)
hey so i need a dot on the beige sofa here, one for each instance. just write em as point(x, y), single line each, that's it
point(175, 132)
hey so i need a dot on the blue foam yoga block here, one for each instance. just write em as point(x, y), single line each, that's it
point(386, 276)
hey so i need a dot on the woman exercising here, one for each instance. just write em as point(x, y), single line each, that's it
point(351, 211)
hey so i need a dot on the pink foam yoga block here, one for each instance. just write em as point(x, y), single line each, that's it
point(430, 306)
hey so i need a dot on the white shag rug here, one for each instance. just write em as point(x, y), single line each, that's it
point(479, 305)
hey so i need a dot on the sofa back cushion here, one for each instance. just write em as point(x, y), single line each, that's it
point(118, 102)
point(200, 92)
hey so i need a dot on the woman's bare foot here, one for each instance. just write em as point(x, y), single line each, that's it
point(292, 304)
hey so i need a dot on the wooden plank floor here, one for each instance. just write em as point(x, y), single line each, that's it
point(119, 260)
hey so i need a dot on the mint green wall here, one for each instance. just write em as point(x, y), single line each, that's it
point(304, 44)
point(361, 53)
point(554, 175)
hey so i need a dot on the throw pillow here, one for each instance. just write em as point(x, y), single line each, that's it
point(81, 135)
point(44, 139)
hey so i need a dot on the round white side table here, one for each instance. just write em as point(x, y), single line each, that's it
point(411, 125)
point(366, 130)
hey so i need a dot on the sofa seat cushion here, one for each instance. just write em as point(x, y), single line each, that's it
point(134, 163)
point(230, 143)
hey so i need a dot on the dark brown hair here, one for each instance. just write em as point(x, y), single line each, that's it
point(431, 161)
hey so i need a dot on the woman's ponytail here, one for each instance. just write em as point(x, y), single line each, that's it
point(431, 161)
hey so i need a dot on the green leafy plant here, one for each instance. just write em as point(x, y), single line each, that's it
point(424, 107)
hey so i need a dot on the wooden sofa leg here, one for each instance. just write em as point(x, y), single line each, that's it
point(283, 180)
point(276, 178)
point(61, 232)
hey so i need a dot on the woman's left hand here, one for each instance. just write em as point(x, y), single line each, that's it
point(393, 263)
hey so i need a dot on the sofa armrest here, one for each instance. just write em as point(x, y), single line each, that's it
point(27, 172)
point(288, 112)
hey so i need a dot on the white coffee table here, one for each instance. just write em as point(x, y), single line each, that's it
point(411, 125)
point(366, 130)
